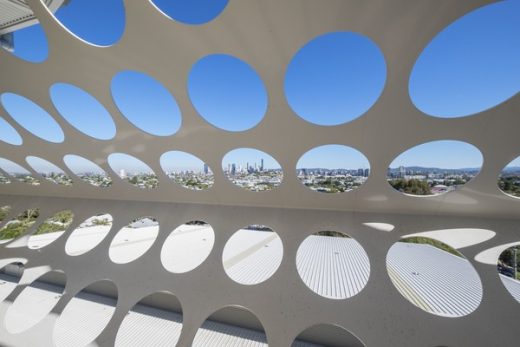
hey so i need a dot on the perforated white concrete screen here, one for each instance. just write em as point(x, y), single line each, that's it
point(218, 261)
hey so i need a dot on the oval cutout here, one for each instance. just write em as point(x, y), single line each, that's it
point(82, 111)
point(10, 275)
point(8, 134)
point(509, 178)
point(326, 335)
point(335, 78)
point(227, 92)
point(28, 43)
point(32, 117)
point(471, 65)
point(50, 230)
point(35, 302)
point(87, 171)
point(146, 103)
point(187, 246)
point(434, 277)
point(88, 234)
point(86, 315)
point(49, 171)
point(155, 320)
point(333, 265)
point(333, 169)
point(98, 22)
point(252, 169)
point(434, 168)
point(187, 170)
point(133, 170)
point(18, 225)
point(509, 270)
point(193, 12)
point(132, 241)
point(231, 326)
point(252, 254)
point(18, 172)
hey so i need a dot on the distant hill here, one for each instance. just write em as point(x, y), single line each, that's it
point(420, 169)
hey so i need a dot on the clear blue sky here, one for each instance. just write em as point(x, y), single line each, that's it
point(227, 92)
point(471, 65)
point(181, 161)
point(441, 154)
point(32, 117)
point(191, 11)
point(79, 165)
point(515, 162)
point(146, 103)
point(130, 164)
point(42, 166)
point(82, 111)
point(335, 78)
point(8, 134)
point(242, 156)
point(343, 158)
point(11, 167)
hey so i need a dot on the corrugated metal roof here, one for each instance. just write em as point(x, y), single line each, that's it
point(83, 319)
point(148, 326)
point(252, 256)
point(513, 286)
point(434, 280)
point(333, 267)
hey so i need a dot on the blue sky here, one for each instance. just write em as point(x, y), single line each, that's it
point(344, 158)
point(130, 164)
point(11, 167)
point(181, 161)
point(192, 11)
point(471, 65)
point(146, 103)
point(76, 105)
point(335, 78)
point(441, 154)
point(227, 92)
point(79, 165)
point(32, 117)
point(9, 134)
point(42, 166)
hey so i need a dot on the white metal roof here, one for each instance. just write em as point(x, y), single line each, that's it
point(435, 280)
point(432, 279)
point(16, 14)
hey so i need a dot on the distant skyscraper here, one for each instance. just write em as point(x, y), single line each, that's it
point(233, 169)
point(402, 171)
point(206, 168)
point(262, 164)
point(360, 172)
point(367, 172)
